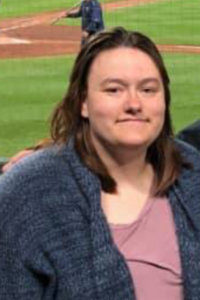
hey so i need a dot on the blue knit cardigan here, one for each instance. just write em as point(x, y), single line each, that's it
point(55, 242)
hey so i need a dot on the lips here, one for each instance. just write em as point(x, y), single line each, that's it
point(134, 120)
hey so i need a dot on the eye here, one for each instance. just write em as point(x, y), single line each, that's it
point(149, 90)
point(113, 90)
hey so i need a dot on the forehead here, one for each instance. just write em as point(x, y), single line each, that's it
point(123, 61)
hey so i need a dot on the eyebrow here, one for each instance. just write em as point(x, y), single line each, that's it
point(151, 80)
point(113, 80)
point(124, 83)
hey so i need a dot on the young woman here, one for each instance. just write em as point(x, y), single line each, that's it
point(111, 211)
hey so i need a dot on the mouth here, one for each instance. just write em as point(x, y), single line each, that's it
point(133, 120)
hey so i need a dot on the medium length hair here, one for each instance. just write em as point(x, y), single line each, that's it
point(67, 121)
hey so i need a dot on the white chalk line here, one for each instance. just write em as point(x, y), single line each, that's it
point(18, 26)
point(12, 41)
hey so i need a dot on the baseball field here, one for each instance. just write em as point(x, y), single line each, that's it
point(37, 51)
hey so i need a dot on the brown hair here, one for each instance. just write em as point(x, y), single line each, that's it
point(67, 121)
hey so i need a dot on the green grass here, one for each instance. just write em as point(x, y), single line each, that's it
point(14, 8)
point(31, 87)
point(11, 8)
point(166, 22)
point(28, 92)
point(184, 73)
point(172, 21)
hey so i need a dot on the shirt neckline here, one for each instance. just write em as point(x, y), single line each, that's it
point(145, 210)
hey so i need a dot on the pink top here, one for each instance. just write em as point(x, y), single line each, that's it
point(150, 248)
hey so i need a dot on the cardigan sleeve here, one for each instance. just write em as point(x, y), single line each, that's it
point(26, 272)
point(43, 219)
point(18, 281)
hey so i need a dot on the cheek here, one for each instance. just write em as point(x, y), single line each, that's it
point(158, 107)
point(159, 110)
point(156, 112)
point(103, 113)
point(159, 115)
point(100, 107)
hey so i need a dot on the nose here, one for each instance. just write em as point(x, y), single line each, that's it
point(132, 101)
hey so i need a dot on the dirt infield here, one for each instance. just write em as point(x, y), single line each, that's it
point(37, 35)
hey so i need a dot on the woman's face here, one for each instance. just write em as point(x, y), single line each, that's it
point(125, 102)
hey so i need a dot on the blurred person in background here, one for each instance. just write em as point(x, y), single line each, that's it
point(91, 15)
point(191, 134)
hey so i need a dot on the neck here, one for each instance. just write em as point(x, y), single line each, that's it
point(128, 168)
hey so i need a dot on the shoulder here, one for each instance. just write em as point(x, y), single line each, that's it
point(37, 201)
point(38, 193)
point(189, 153)
point(188, 181)
point(191, 134)
point(38, 166)
point(186, 189)
point(51, 182)
point(34, 183)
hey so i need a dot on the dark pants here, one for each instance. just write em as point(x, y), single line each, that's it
point(85, 39)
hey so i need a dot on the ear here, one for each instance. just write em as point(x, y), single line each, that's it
point(84, 109)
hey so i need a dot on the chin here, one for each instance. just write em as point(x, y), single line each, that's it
point(133, 144)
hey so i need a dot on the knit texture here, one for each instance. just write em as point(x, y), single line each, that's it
point(55, 242)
